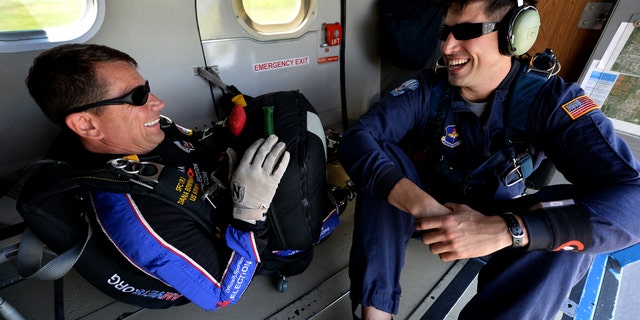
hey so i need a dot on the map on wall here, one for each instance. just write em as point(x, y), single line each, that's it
point(614, 81)
point(628, 60)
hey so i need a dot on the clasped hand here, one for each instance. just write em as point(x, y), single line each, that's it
point(463, 233)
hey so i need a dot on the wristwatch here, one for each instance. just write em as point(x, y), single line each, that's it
point(517, 234)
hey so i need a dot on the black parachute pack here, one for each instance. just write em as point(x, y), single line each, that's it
point(299, 205)
point(303, 211)
point(54, 202)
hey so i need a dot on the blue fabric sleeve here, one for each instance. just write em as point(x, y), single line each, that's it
point(584, 146)
point(388, 121)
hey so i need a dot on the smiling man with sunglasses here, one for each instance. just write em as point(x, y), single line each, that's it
point(455, 192)
point(109, 115)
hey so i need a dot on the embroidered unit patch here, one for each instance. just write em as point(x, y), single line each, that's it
point(408, 85)
point(450, 137)
point(579, 106)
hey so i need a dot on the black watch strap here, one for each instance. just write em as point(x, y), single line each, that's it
point(517, 234)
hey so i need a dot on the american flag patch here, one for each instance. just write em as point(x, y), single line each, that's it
point(579, 106)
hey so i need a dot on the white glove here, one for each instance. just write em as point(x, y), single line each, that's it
point(256, 179)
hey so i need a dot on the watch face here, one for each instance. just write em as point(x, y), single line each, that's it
point(516, 230)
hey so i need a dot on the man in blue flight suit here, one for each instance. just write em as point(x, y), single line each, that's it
point(456, 195)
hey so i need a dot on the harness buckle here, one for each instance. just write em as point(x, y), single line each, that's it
point(145, 173)
point(545, 64)
point(513, 176)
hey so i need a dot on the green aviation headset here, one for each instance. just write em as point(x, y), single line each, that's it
point(518, 30)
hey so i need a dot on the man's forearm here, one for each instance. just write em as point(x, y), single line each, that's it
point(407, 196)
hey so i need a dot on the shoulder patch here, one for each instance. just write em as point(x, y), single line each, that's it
point(408, 85)
point(579, 106)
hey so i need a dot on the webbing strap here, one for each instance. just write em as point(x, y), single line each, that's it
point(527, 85)
point(31, 254)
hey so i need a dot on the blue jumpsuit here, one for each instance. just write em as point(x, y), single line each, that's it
point(563, 124)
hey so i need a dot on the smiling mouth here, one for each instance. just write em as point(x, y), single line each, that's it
point(457, 63)
point(151, 123)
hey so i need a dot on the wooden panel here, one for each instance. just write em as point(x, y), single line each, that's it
point(560, 32)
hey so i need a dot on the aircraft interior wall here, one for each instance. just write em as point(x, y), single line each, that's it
point(164, 37)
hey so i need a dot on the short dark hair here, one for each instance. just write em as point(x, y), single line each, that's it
point(496, 9)
point(65, 77)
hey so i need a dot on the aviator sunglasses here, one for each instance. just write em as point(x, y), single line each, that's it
point(137, 97)
point(466, 31)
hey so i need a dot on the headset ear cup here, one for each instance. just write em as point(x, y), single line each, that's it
point(518, 30)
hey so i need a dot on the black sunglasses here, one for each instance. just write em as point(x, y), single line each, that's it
point(137, 97)
point(466, 31)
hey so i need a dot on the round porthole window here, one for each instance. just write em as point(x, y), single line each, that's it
point(274, 19)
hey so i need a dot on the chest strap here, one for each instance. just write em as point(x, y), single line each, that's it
point(157, 181)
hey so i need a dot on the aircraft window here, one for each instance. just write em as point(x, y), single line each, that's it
point(39, 24)
point(274, 19)
point(272, 12)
